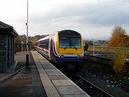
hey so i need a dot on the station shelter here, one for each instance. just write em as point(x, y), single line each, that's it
point(7, 35)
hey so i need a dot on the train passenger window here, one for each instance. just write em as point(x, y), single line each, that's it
point(44, 45)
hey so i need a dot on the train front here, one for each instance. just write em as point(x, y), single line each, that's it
point(69, 46)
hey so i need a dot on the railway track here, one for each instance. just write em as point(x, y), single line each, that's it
point(87, 86)
point(90, 88)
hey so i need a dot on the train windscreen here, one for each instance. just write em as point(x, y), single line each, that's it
point(69, 42)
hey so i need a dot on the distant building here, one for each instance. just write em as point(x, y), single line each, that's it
point(97, 42)
point(7, 35)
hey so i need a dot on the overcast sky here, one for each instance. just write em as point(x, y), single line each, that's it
point(94, 19)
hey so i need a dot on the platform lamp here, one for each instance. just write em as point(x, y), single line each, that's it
point(27, 48)
point(93, 48)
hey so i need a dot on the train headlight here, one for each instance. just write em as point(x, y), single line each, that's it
point(81, 56)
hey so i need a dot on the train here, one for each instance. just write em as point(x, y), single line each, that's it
point(65, 46)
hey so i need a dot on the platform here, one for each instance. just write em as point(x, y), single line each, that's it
point(55, 83)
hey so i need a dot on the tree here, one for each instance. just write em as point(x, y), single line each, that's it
point(17, 44)
point(118, 30)
point(34, 41)
point(86, 46)
point(119, 38)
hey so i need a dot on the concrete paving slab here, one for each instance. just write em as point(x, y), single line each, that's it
point(80, 95)
point(53, 72)
point(69, 90)
point(48, 66)
point(61, 82)
point(57, 77)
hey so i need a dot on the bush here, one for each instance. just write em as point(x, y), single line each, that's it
point(86, 46)
point(120, 61)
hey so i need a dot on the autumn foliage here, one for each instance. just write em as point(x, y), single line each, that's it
point(119, 38)
point(120, 61)
point(34, 41)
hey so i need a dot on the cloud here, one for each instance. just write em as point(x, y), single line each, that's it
point(104, 13)
point(93, 18)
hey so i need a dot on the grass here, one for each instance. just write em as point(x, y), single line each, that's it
point(109, 50)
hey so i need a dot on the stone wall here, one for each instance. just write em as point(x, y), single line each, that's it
point(6, 52)
point(3, 52)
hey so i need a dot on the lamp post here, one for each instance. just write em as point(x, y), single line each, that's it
point(27, 52)
point(93, 48)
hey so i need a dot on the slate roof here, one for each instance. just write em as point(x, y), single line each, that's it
point(5, 28)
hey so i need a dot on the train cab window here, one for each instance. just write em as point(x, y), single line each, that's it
point(69, 42)
point(75, 42)
point(64, 42)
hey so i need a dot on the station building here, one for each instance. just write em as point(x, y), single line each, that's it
point(7, 35)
